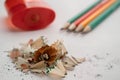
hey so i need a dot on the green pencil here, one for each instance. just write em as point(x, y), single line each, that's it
point(80, 14)
point(102, 17)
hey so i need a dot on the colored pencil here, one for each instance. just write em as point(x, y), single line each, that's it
point(94, 15)
point(78, 21)
point(70, 21)
point(102, 17)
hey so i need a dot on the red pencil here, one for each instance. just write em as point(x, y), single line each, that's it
point(78, 21)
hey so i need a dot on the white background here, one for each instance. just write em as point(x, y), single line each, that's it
point(103, 42)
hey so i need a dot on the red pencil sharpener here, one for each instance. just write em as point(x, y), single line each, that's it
point(29, 14)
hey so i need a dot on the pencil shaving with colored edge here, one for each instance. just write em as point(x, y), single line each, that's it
point(36, 56)
point(60, 65)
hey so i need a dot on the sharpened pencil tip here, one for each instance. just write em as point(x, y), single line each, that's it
point(79, 28)
point(66, 25)
point(86, 29)
point(72, 27)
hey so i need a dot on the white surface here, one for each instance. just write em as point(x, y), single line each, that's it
point(104, 39)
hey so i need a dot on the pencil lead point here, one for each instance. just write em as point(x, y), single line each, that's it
point(87, 29)
point(66, 25)
point(79, 28)
point(72, 27)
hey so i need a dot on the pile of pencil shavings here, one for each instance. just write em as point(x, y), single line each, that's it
point(38, 57)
